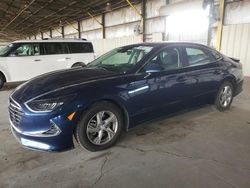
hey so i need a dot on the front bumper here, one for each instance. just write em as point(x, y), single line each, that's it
point(57, 143)
point(45, 132)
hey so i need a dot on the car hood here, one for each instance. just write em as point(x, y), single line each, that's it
point(56, 81)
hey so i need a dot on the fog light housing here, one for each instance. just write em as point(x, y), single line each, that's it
point(54, 130)
point(34, 144)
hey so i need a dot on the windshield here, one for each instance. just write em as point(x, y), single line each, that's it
point(121, 59)
point(5, 49)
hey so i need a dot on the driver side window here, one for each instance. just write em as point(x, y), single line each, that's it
point(167, 59)
point(26, 50)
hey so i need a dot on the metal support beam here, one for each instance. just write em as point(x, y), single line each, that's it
point(19, 13)
point(135, 9)
point(100, 23)
point(62, 31)
point(103, 26)
point(143, 13)
point(50, 33)
point(94, 18)
point(220, 24)
point(210, 17)
point(79, 29)
point(69, 23)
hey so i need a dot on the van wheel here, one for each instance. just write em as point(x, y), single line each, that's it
point(100, 127)
point(79, 64)
point(2, 80)
point(224, 97)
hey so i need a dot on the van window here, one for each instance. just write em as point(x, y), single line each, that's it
point(50, 48)
point(80, 47)
point(28, 49)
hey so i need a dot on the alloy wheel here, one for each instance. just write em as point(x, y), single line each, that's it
point(102, 127)
point(225, 96)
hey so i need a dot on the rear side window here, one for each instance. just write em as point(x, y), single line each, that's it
point(55, 48)
point(216, 55)
point(198, 56)
point(80, 47)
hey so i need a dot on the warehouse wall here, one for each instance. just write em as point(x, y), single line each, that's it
point(119, 31)
point(236, 33)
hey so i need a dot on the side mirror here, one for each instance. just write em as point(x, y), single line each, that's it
point(152, 67)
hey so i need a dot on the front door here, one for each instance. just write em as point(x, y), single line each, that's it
point(25, 62)
point(161, 88)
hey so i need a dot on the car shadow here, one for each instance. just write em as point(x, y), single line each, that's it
point(10, 86)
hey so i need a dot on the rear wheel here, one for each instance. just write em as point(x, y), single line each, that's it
point(2, 80)
point(100, 127)
point(78, 65)
point(224, 97)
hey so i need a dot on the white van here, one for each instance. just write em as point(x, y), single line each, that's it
point(22, 60)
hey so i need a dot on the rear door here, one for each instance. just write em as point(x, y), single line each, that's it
point(80, 52)
point(204, 71)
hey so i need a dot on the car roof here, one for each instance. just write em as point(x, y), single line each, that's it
point(51, 40)
point(165, 43)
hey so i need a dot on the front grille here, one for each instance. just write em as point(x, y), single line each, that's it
point(15, 112)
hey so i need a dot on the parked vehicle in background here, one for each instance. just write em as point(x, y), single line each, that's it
point(23, 60)
point(119, 90)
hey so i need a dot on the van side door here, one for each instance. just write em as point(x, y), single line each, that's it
point(24, 62)
point(55, 56)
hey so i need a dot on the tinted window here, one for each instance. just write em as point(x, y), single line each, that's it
point(80, 47)
point(198, 56)
point(55, 48)
point(215, 55)
point(28, 49)
point(168, 59)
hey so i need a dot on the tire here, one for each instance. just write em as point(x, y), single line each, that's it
point(224, 96)
point(89, 130)
point(2, 80)
point(78, 65)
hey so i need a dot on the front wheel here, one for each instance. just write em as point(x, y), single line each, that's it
point(224, 97)
point(100, 127)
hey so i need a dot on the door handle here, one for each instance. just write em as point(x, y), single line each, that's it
point(37, 60)
point(67, 58)
point(181, 78)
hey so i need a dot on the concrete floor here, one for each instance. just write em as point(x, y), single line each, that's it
point(202, 148)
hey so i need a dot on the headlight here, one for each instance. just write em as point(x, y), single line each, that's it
point(47, 105)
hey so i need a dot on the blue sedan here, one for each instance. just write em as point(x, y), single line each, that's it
point(119, 90)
